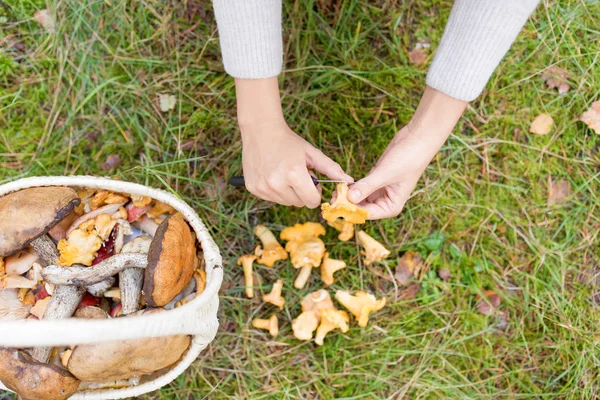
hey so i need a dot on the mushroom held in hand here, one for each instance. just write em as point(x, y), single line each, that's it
point(35, 380)
point(275, 296)
point(271, 324)
point(271, 251)
point(329, 267)
point(360, 305)
point(172, 261)
point(305, 247)
point(27, 215)
point(246, 262)
point(343, 208)
point(345, 228)
point(374, 251)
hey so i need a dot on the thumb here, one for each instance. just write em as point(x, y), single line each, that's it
point(325, 165)
point(366, 186)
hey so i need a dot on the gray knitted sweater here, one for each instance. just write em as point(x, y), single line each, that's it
point(477, 35)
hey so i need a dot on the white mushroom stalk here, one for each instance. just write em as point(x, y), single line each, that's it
point(131, 280)
point(98, 289)
point(85, 276)
point(45, 249)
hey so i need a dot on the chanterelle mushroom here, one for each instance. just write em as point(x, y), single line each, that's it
point(35, 380)
point(275, 296)
point(360, 305)
point(345, 228)
point(27, 215)
point(374, 251)
point(329, 267)
point(318, 310)
point(172, 261)
point(305, 247)
point(343, 208)
point(111, 361)
point(271, 324)
point(271, 251)
point(246, 262)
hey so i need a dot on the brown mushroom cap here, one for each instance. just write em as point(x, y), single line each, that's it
point(34, 380)
point(30, 213)
point(113, 361)
point(171, 262)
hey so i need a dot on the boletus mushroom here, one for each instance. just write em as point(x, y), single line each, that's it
point(113, 361)
point(172, 261)
point(33, 380)
point(131, 280)
point(27, 215)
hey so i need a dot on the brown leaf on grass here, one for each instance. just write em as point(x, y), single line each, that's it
point(408, 267)
point(556, 77)
point(417, 56)
point(542, 124)
point(488, 304)
point(45, 19)
point(592, 117)
point(409, 292)
point(444, 274)
point(558, 191)
point(112, 162)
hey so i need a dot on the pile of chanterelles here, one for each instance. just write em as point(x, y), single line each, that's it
point(67, 253)
point(306, 251)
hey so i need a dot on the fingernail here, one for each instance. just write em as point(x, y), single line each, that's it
point(354, 194)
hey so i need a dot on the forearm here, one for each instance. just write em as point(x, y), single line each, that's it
point(435, 117)
point(476, 38)
point(258, 101)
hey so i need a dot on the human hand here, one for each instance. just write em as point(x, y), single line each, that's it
point(387, 187)
point(276, 161)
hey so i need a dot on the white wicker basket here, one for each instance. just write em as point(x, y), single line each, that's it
point(197, 318)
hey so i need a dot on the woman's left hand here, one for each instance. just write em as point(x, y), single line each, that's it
point(387, 187)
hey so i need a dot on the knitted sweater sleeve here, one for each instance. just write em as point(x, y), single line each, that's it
point(477, 35)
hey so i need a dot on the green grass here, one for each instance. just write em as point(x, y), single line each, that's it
point(69, 99)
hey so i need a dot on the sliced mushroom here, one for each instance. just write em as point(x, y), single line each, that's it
point(91, 312)
point(172, 261)
point(112, 361)
point(35, 380)
point(21, 262)
point(131, 280)
point(11, 308)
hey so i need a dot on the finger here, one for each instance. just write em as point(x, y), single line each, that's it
point(279, 190)
point(381, 211)
point(325, 165)
point(366, 186)
point(304, 187)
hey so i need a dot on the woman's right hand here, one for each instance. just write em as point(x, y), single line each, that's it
point(276, 160)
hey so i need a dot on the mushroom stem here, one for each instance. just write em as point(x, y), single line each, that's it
point(275, 296)
point(98, 289)
point(271, 324)
point(246, 263)
point(85, 276)
point(131, 281)
point(302, 277)
point(45, 249)
point(65, 300)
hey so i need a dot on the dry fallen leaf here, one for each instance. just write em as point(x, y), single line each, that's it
point(444, 274)
point(542, 124)
point(556, 77)
point(592, 117)
point(167, 102)
point(417, 56)
point(45, 19)
point(409, 292)
point(408, 266)
point(487, 305)
point(112, 162)
point(558, 191)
